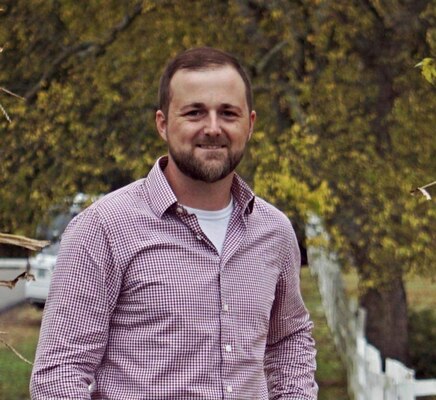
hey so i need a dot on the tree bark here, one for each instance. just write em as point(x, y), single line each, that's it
point(386, 325)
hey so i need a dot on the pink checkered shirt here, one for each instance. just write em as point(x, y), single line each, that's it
point(142, 306)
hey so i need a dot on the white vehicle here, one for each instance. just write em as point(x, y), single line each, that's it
point(41, 267)
point(43, 263)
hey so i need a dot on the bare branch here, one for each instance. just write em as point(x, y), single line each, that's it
point(21, 357)
point(5, 113)
point(423, 190)
point(24, 276)
point(429, 185)
point(23, 241)
point(11, 93)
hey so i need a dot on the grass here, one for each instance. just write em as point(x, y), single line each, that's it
point(330, 374)
point(21, 325)
point(421, 299)
point(420, 291)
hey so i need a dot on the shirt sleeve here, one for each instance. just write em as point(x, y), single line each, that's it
point(290, 351)
point(75, 326)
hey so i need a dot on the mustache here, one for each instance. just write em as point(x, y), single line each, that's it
point(212, 141)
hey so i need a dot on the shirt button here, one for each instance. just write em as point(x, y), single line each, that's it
point(199, 237)
point(225, 307)
point(229, 389)
point(179, 209)
point(228, 348)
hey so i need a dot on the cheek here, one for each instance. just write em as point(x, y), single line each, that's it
point(179, 134)
point(240, 138)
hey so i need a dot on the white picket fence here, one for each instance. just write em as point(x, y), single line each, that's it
point(366, 379)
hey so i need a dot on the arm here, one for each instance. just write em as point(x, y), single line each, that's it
point(75, 326)
point(290, 353)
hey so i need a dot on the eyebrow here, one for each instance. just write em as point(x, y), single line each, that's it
point(225, 106)
point(233, 107)
point(192, 105)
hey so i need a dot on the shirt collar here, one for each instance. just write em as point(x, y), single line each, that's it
point(163, 198)
point(242, 194)
point(159, 190)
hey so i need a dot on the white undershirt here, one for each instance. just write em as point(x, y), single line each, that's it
point(214, 223)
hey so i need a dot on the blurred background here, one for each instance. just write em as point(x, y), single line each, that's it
point(346, 128)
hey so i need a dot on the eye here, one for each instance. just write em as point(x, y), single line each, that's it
point(193, 113)
point(229, 114)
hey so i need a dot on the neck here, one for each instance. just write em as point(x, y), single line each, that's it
point(198, 194)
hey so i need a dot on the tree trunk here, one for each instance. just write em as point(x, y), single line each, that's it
point(386, 325)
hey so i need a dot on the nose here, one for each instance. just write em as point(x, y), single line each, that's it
point(212, 126)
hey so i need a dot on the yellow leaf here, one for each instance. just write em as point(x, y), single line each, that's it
point(428, 69)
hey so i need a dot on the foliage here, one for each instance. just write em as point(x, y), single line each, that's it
point(345, 128)
point(428, 69)
point(423, 343)
point(370, 133)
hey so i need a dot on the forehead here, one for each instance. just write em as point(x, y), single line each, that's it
point(215, 84)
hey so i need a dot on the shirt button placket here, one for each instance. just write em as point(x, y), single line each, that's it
point(227, 339)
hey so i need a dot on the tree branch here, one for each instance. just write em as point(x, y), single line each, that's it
point(423, 190)
point(264, 61)
point(15, 351)
point(8, 118)
point(22, 241)
point(24, 276)
point(84, 48)
point(374, 12)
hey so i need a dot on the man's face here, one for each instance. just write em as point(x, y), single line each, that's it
point(208, 123)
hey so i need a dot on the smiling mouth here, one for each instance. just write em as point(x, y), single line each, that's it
point(210, 147)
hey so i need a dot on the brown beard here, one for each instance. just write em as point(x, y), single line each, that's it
point(189, 165)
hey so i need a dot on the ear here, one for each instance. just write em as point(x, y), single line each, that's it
point(161, 124)
point(252, 121)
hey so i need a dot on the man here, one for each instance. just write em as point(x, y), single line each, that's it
point(182, 285)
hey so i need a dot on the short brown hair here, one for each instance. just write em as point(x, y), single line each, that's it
point(198, 59)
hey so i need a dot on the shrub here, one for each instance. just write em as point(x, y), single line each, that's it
point(422, 343)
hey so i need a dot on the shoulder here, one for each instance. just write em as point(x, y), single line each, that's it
point(271, 222)
point(121, 205)
point(276, 227)
point(270, 215)
point(115, 206)
point(118, 201)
